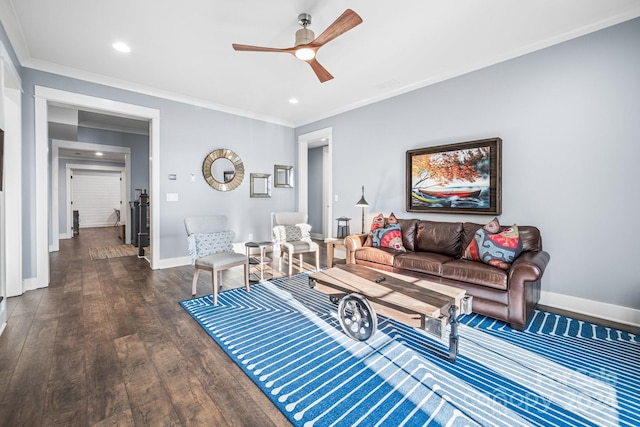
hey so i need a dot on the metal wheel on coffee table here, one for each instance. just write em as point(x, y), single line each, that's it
point(357, 318)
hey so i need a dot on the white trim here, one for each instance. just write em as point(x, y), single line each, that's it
point(11, 76)
point(312, 140)
point(56, 144)
point(602, 310)
point(173, 262)
point(43, 95)
point(13, 236)
point(327, 202)
point(33, 283)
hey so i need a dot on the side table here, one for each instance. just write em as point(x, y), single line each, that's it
point(259, 263)
point(332, 242)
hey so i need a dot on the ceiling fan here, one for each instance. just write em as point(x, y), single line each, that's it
point(307, 46)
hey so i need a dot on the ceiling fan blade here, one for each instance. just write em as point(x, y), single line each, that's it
point(244, 47)
point(344, 23)
point(321, 72)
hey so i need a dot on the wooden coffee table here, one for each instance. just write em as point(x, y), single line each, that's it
point(361, 292)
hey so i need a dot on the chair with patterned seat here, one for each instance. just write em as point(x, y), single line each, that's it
point(292, 234)
point(211, 249)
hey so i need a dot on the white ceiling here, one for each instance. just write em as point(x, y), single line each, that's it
point(182, 49)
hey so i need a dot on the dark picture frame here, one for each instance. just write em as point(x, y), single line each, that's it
point(461, 178)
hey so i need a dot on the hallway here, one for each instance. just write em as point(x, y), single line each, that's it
point(108, 344)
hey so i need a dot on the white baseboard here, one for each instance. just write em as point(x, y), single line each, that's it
point(32, 283)
point(173, 262)
point(316, 236)
point(2, 326)
point(602, 310)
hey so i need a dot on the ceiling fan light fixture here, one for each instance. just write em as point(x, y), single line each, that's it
point(305, 54)
point(304, 36)
point(307, 44)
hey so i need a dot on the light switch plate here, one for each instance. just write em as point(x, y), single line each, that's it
point(172, 197)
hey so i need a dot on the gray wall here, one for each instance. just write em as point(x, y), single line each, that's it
point(569, 117)
point(139, 145)
point(187, 134)
point(315, 189)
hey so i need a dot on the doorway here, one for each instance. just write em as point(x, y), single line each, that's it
point(46, 96)
point(311, 141)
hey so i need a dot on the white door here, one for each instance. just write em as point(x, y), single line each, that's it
point(96, 195)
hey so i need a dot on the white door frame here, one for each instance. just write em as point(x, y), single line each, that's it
point(44, 95)
point(306, 141)
point(11, 236)
point(55, 197)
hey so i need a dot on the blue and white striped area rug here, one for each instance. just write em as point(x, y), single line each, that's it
point(559, 371)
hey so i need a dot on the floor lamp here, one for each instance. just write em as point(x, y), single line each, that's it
point(362, 203)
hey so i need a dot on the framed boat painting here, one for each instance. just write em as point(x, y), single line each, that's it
point(456, 178)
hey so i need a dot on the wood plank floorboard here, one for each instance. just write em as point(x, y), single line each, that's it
point(108, 344)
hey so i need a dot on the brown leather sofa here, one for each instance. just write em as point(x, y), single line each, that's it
point(434, 251)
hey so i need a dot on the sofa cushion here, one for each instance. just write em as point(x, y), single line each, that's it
point(497, 249)
point(475, 272)
point(408, 227)
point(388, 237)
point(376, 255)
point(439, 237)
point(422, 262)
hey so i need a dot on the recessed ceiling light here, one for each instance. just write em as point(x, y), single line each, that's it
point(121, 47)
point(99, 153)
point(293, 101)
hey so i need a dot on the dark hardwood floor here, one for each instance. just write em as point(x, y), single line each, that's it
point(108, 344)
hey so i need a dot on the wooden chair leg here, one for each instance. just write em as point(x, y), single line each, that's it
point(246, 276)
point(317, 260)
point(301, 264)
point(195, 282)
point(290, 259)
point(214, 278)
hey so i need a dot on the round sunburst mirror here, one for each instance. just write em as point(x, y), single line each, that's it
point(223, 169)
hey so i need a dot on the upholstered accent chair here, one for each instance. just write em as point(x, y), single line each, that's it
point(291, 234)
point(211, 249)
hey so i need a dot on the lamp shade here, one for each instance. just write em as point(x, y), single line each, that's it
point(362, 203)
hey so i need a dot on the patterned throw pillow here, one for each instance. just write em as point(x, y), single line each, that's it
point(392, 219)
point(496, 249)
point(203, 244)
point(388, 237)
point(292, 233)
point(493, 226)
point(378, 222)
